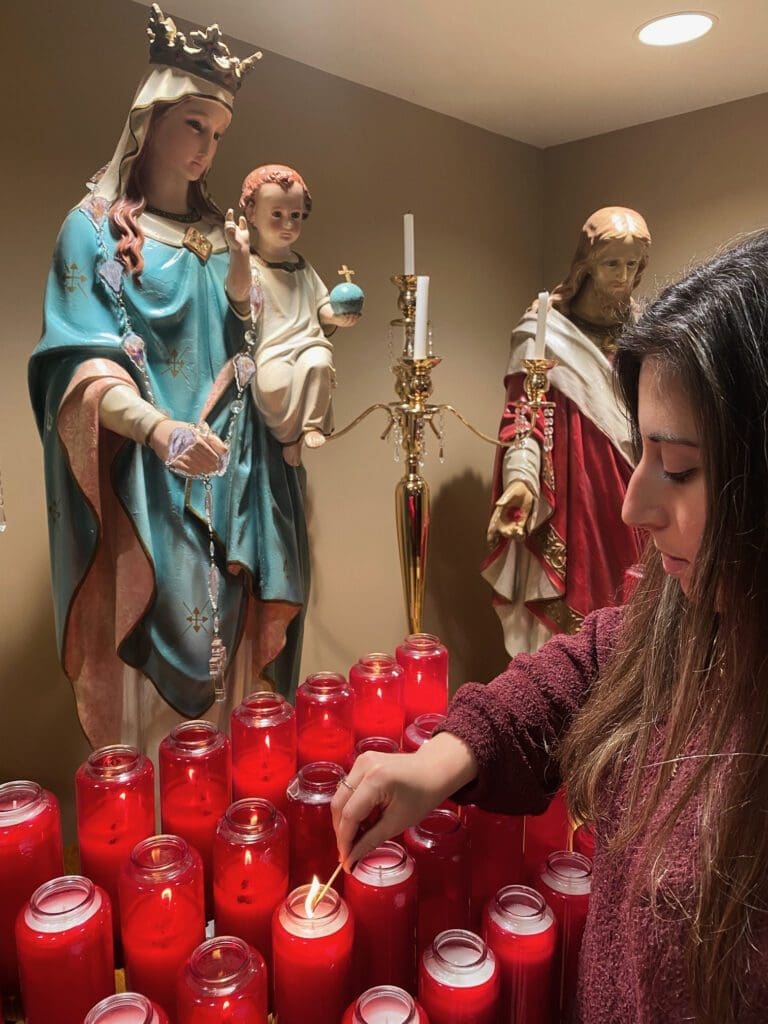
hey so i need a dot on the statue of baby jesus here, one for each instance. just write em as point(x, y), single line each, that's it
point(294, 357)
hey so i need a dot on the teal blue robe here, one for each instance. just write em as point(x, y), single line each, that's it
point(181, 312)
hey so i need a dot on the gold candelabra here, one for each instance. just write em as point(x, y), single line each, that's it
point(408, 418)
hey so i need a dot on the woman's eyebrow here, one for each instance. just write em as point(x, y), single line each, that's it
point(661, 437)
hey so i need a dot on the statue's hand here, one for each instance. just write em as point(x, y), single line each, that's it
point(199, 453)
point(236, 234)
point(512, 514)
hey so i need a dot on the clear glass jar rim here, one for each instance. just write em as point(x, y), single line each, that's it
point(333, 773)
point(464, 938)
point(205, 955)
point(391, 992)
point(122, 1000)
point(25, 797)
point(197, 735)
point(263, 705)
point(114, 761)
point(252, 829)
point(299, 896)
point(374, 663)
point(428, 722)
point(398, 854)
point(65, 883)
point(168, 868)
point(520, 895)
point(557, 860)
point(423, 640)
point(439, 814)
point(325, 684)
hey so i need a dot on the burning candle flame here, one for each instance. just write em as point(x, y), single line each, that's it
point(379, 694)
point(248, 858)
point(167, 895)
point(309, 902)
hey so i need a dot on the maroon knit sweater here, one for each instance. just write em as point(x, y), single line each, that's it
point(633, 956)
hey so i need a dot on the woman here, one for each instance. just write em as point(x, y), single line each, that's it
point(138, 328)
point(656, 715)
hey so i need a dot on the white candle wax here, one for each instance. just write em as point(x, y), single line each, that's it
point(408, 244)
point(541, 325)
point(422, 318)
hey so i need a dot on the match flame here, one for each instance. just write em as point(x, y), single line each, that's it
point(309, 902)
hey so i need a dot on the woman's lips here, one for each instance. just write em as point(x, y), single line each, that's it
point(673, 565)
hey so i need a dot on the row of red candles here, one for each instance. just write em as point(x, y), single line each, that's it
point(184, 773)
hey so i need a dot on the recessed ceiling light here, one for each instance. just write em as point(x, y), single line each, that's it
point(675, 28)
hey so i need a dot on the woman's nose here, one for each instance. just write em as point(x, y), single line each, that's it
point(641, 507)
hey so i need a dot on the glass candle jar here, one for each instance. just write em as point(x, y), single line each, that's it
point(250, 872)
point(380, 744)
point(126, 1008)
point(30, 854)
point(324, 720)
point(420, 730)
point(163, 919)
point(584, 841)
point(382, 895)
point(439, 846)
point(377, 683)
point(520, 929)
point(66, 959)
point(115, 797)
point(544, 834)
point(195, 789)
point(263, 731)
point(223, 980)
point(312, 839)
point(565, 883)
point(385, 1004)
point(425, 662)
point(459, 980)
point(312, 958)
point(495, 856)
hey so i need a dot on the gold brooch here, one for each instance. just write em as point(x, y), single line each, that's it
point(198, 244)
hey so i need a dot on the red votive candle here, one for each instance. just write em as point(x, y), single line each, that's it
point(520, 929)
point(385, 1004)
point(250, 872)
point(439, 846)
point(30, 854)
point(425, 662)
point(66, 960)
point(224, 980)
point(195, 789)
point(115, 797)
point(420, 730)
point(544, 834)
point(380, 744)
point(584, 841)
point(377, 683)
point(324, 720)
point(312, 839)
point(126, 1008)
point(263, 731)
point(382, 894)
point(495, 856)
point(459, 980)
point(313, 958)
point(163, 919)
point(565, 884)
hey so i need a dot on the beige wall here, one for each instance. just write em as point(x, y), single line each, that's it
point(367, 158)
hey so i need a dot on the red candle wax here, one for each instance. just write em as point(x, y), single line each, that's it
point(495, 856)
point(313, 958)
point(439, 847)
point(459, 981)
point(115, 796)
point(425, 663)
point(544, 834)
point(420, 730)
point(382, 895)
point(385, 1004)
point(312, 839)
point(250, 869)
point(64, 940)
point(195, 789)
point(126, 1008)
point(377, 683)
point(324, 710)
point(584, 841)
point(565, 883)
point(30, 854)
point(223, 982)
point(263, 748)
point(163, 919)
point(520, 929)
point(379, 744)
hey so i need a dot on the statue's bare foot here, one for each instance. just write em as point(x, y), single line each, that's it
point(314, 439)
point(292, 453)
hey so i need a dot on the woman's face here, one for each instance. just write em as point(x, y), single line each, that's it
point(667, 493)
point(185, 137)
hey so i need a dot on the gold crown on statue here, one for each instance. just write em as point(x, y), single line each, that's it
point(204, 54)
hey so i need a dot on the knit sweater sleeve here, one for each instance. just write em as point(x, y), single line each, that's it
point(514, 724)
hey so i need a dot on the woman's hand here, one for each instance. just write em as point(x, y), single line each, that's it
point(402, 788)
point(200, 457)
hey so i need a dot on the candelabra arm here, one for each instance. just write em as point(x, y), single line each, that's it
point(359, 419)
point(470, 426)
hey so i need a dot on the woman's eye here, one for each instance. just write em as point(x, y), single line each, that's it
point(680, 477)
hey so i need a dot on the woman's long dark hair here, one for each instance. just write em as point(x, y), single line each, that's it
point(695, 669)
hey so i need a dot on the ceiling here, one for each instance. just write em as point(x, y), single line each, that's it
point(541, 72)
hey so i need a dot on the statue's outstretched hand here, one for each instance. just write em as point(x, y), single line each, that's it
point(236, 234)
point(511, 517)
point(188, 450)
